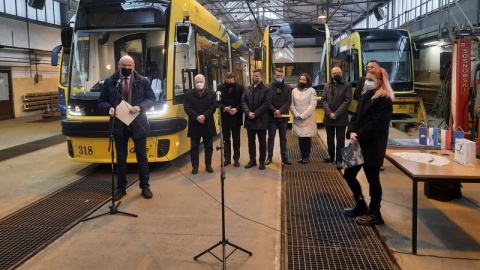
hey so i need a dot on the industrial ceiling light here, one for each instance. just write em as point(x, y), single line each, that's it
point(322, 15)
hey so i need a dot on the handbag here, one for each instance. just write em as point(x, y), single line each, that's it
point(465, 152)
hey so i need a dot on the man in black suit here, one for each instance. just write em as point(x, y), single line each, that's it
point(281, 94)
point(232, 118)
point(255, 104)
point(126, 84)
point(200, 105)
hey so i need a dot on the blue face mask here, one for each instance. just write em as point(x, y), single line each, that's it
point(278, 80)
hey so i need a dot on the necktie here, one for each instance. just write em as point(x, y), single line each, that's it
point(126, 87)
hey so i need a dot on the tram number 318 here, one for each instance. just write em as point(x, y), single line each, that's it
point(85, 150)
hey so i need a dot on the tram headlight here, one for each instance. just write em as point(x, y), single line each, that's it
point(76, 110)
point(158, 110)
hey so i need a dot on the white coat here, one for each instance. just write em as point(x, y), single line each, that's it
point(304, 102)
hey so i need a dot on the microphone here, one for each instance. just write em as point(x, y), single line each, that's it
point(219, 96)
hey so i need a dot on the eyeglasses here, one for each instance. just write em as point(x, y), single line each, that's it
point(369, 67)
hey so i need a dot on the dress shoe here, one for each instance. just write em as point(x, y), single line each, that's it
point(250, 164)
point(209, 169)
point(227, 162)
point(339, 165)
point(300, 160)
point(328, 159)
point(306, 160)
point(147, 193)
point(286, 161)
point(268, 161)
point(119, 194)
point(262, 166)
point(382, 168)
point(236, 163)
point(195, 170)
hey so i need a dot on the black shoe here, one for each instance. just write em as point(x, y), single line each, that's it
point(306, 160)
point(268, 161)
point(339, 165)
point(371, 218)
point(209, 169)
point(382, 168)
point(119, 194)
point(236, 163)
point(250, 164)
point(359, 209)
point(300, 160)
point(195, 170)
point(328, 159)
point(262, 166)
point(226, 162)
point(147, 193)
point(286, 161)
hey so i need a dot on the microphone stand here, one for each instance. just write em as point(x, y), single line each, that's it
point(111, 146)
point(224, 241)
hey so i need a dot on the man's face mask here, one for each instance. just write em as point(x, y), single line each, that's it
point(255, 80)
point(278, 79)
point(126, 72)
point(200, 85)
point(337, 78)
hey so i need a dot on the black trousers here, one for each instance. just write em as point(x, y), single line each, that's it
point(262, 144)
point(194, 150)
point(305, 144)
point(373, 178)
point(335, 133)
point(232, 132)
point(282, 127)
point(121, 146)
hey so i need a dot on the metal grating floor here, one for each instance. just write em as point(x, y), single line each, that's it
point(22, 149)
point(28, 230)
point(318, 235)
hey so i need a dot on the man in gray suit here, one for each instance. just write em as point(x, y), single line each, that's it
point(335, 101)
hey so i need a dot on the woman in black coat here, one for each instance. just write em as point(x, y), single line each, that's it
point(369, 128)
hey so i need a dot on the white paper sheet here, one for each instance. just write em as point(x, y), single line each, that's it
point(123, 113)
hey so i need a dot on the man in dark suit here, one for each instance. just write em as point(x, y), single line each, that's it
point(281, 94)
point(255, 105)
point(200, 105)
point(335, 101)
point(126, 84)
point(232, 118)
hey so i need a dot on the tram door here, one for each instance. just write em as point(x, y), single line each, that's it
point(6, 109)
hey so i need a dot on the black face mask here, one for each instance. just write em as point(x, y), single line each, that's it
point(230, 85)
point(126, 72)
point(337, 78)
point(302, 85)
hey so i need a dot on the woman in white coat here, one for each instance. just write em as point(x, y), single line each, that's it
point(304, 125)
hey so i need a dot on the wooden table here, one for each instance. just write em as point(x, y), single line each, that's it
point(421, 172)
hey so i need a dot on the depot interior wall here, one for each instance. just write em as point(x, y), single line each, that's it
point(23, 63)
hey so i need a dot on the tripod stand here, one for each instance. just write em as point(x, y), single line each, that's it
point(224, 241)
point(113, 207)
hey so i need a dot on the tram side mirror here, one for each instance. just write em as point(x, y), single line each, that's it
point(257, 54)
point(416, 51)
point(66, 37)
point(182, 33)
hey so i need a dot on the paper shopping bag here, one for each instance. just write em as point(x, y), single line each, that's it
point(352, 155)
point(465, 152)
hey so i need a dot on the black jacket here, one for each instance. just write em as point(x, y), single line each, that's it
point(336, 98)
point(195, 105)
point(371, 122)
point(281, 100)
point(234, 100)
point(258, 102)
point(142, 96)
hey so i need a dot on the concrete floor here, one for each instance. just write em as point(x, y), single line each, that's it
point(182, 220)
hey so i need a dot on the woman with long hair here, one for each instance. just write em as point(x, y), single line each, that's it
point(369, 128)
